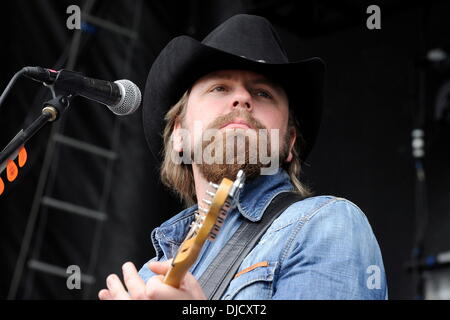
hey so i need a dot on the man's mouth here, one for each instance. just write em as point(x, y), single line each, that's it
point(236, 124)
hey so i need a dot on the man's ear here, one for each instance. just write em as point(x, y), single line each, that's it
point(177, 137)
point(293, 137)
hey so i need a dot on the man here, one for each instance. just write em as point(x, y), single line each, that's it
point(238, 81)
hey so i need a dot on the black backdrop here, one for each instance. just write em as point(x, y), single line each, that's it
point(363, 152)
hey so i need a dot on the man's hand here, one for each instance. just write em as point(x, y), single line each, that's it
point(155, 289)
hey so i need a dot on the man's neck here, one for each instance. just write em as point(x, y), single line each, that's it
point(201, 185)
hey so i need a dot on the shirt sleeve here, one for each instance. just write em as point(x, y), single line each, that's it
point(335, 256)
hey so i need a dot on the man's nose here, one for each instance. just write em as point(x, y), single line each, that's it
point(242, 98)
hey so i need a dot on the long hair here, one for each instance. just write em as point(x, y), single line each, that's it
point(180, 178)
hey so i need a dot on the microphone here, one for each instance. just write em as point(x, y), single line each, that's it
point(122, 97)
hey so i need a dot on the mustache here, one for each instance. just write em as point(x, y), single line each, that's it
point(220, 121)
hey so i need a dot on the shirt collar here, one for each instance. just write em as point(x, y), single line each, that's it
point(259, 192)
point(253, 200)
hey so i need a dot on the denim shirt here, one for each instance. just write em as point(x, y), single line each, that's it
point(319, 248)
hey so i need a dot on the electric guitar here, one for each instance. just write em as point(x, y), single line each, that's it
point(206, 226)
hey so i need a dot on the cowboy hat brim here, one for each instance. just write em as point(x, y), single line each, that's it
point(184, 60)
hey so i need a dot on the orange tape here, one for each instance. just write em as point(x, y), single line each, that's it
point(22, 157)
point(2, 186)
point(11, 171)
point(252, 267)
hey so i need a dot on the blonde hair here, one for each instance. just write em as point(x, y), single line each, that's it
point(180, 178)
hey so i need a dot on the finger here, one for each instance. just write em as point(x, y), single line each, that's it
point(116, 289)
point(104, 295)
point(160, 267)
point(191, 284)
point(190, 289)
point(156, 289)
point(133, 282)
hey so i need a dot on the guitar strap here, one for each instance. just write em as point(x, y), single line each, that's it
point(216, 278)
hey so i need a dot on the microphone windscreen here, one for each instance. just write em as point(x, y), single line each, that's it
point(130, 98)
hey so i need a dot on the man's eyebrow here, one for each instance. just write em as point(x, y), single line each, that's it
point(268, 82)
point(264, 80)
point(259, 80)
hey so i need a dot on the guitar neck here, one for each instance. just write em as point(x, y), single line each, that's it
point(186, 256)
point(206, 225)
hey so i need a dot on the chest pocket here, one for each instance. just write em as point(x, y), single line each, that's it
point(255, 284)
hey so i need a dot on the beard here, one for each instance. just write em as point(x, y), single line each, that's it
point(238, 148)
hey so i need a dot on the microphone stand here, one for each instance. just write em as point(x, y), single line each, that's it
point(51, 111)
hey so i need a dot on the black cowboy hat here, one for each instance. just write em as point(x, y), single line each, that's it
point(245, 42)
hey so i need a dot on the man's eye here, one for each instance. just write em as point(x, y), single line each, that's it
point(218, 88)
point(264, 94)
